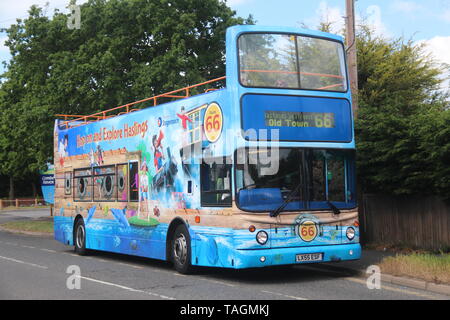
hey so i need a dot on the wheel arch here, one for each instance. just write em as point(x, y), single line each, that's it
point(75, 221)
point(170, 232)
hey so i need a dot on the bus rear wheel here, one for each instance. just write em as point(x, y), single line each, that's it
point(181, 250)
point(80, 238)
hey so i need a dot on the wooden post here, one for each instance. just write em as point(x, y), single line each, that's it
point(35, 202)
point(351, 53)
point(1, 204)
point(17, 203)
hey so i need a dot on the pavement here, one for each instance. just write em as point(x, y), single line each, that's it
point(368, 258)
point(22, 214)
point(34, 267)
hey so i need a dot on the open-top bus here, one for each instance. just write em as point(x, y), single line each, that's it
point(257, 172)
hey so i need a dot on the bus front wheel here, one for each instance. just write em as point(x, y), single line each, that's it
point(80, 238)
point(181, 250)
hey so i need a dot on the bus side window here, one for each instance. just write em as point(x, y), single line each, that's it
point(134, 181)
point(67, 183)
point(105, 183)
point(122, 182)
point(82, 185)
point(215, 184)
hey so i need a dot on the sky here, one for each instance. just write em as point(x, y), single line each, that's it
point(422, 21)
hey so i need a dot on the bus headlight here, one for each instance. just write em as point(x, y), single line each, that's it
point(262, 237)
point(350, 233)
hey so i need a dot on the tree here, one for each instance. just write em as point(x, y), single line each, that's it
point(124, 51)
point(402, 127)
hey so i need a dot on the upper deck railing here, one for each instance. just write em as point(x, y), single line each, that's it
point(71, 121)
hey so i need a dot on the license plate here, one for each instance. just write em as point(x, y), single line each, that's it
point(308, 257)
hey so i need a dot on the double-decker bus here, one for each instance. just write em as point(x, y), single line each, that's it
point(256, 170)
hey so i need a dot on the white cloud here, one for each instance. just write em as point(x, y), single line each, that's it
point(446, 16)
point(333, 15)
point(439, 47)
point(336, 16)
point(235, 3)
point(11, 10)
point(4, 50)
point(4, 53)
point(374, 20)
point(405, 6)
point(325, 13)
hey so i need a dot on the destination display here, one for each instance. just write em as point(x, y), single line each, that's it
point(299, 119)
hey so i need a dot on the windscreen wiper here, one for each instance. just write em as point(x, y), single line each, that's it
point(278, 210)
point(333, 207)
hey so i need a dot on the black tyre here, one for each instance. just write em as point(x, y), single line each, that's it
point(79, 238)
point(181, 250)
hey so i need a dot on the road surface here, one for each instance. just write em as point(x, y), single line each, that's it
point(33, 267)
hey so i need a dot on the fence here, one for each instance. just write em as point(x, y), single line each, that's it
point(17, 203)
point(417, 222)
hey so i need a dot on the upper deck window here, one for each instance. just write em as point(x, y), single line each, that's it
point(272, 60)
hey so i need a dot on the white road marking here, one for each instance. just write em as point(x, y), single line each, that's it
point(127, 288)
point(23, 262)
point(130, 265)
point(216, 281)
point(29, 247)
point(284, 295)
point(178, 274)
point(48, 250)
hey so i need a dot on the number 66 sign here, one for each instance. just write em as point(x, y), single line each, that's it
point(307, 231)
point(213, 122)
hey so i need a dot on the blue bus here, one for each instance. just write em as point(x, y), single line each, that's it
point(257, 169)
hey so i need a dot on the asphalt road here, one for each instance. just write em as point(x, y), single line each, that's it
point(34, 267)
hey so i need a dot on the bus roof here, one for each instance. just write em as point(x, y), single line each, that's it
point(290, 30)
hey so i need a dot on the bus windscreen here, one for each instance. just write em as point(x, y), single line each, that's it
point(325, 175)
point(269, 60)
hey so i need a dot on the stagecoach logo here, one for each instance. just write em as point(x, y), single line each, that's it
point(166, 123)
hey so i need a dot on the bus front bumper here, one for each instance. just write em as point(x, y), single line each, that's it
point(282, 256)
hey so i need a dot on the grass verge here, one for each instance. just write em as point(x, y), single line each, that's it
point(42, 226)
point(429, 267)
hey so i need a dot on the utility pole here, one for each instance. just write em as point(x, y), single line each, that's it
point(351, 52)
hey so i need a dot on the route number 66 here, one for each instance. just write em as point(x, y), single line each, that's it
point(213, 122)
point(307, 231)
